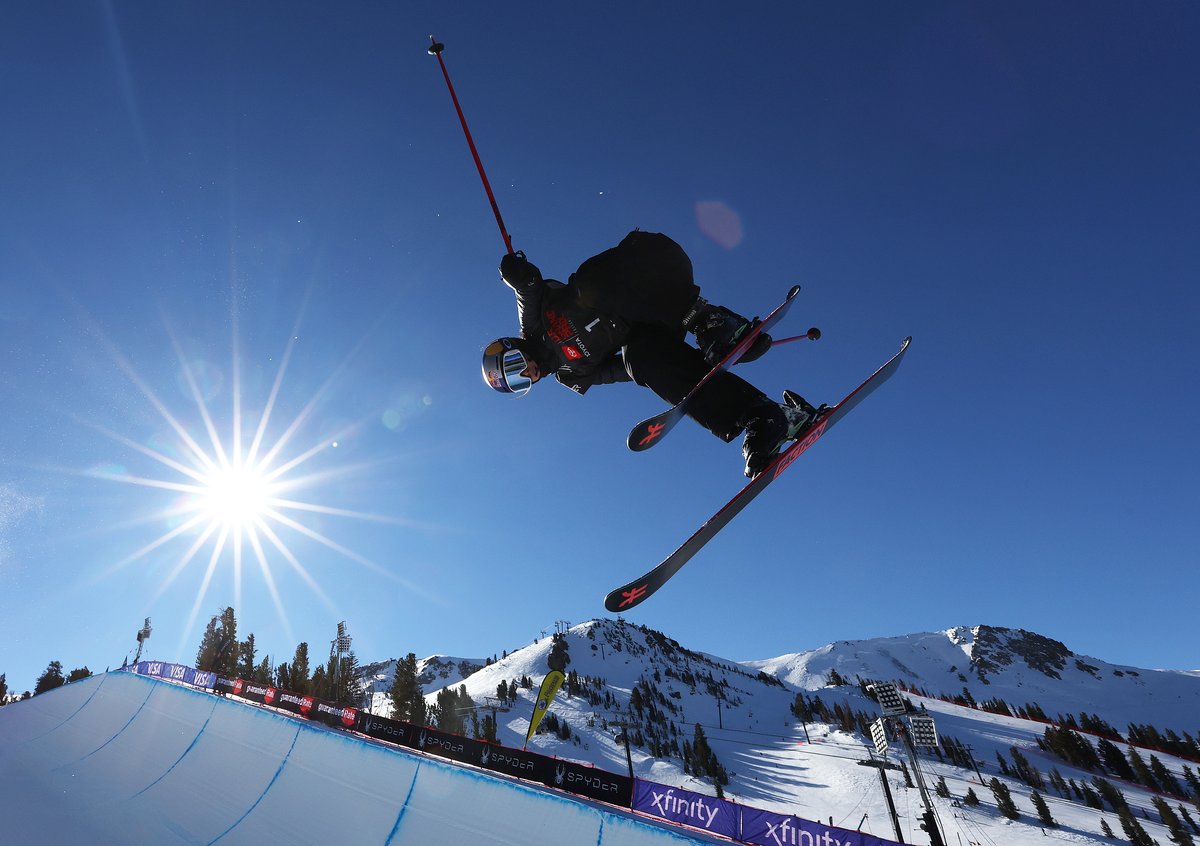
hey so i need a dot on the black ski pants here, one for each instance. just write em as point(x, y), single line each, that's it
point(646, 281)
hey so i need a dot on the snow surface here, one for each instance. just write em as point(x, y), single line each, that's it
point(774, 764)
point(123, 759)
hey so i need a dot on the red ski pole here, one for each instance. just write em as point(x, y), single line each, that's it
point(435, 49)
point(812, 334)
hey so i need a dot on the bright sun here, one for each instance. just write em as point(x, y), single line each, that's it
point(235, 497)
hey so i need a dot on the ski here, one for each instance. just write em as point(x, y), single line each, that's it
point(649, 432)
point(642, 588)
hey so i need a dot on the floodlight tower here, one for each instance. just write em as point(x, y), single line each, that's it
point(142, 636)
point(914, 731)
point(338, 647)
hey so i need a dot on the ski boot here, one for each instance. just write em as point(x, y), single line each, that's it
point(718, 330)
point(769, 425)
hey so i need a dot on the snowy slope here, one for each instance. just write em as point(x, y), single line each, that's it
point(123, 759)
point(1010, 664)
point(434, 673)
point(814, 770)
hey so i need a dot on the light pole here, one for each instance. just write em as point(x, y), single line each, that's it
point(142, 636)
point(914, 731)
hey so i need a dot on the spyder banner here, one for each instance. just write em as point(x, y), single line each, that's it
point(591, 782)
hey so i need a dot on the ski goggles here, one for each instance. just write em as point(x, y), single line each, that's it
point(503, 365)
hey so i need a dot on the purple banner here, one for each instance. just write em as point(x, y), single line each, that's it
point(176, 672)
point(684, 806)
point(764, 828)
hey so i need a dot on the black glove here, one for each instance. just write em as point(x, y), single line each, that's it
point(519, 273)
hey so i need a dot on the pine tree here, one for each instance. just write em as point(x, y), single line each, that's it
point(1187, 817)
point(1114, 760)
point(558, 659)
point(1134, 833)
point(3, 689)
point(78, 673)
point(319, 684)
point(1164, 777)
point(1004, 801)
point(408, 702)
point(219, 647)
point(453, 710)
point(1060, 783)
point(942, 789)
point(1111, 794)
point(971, 800)
point(1179, 834)
point(246, 655)
point(1193, 781)
point(262, 673)
point(1026, 771)
point(1141, 772)
point(488, 731)
point(1107, 829)
point(283, 677)
point(299, 670)
point(1043, 810)
point(50, 679)
point(206, 655)
point(1091, 798)
point(345, 686)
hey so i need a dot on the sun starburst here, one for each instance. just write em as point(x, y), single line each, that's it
point(234, 500)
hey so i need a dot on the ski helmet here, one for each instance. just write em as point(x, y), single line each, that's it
point(504, 359)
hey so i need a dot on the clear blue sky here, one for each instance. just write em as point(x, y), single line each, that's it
point(1016, 186)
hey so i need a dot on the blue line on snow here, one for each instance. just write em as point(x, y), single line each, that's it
point(266, 790)
point(195, 740)
point(404, 807)
point(77, 710)
point(118, 734)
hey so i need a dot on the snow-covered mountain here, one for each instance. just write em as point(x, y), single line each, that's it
point(434, 673)
point(624, 673)
point(1014, 665)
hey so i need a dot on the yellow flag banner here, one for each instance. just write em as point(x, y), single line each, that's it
point(550, 685)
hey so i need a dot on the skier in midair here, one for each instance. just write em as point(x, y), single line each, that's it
point(624, 315)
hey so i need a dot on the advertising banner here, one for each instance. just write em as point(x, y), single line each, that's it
point(516, 762)
point(684, 806)
point(337, 716)
point(176, 672)
point(296, 703)
point(381, 728)
point(445, 745)
point(546, 693)
point(764, 828)
point(263, 694)
point(591, 782)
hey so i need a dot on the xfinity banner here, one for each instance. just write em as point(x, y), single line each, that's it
point(765, 828)
point(684, 806)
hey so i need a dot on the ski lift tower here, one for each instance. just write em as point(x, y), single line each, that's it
point(914, 731)
point(142, 636)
